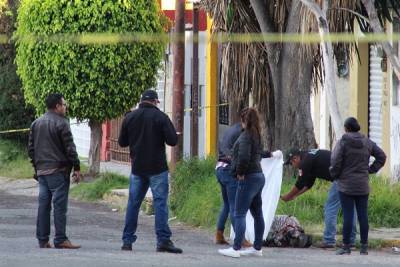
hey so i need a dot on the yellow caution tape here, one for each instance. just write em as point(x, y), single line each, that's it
point(15, 131)
point(76, 123)
point(115, 38)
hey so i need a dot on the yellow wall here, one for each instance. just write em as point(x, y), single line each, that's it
point(359, 75)
point(211, 94)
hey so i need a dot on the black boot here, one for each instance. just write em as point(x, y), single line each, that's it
point(344, 250)
point(168, 246)
point(126, 247)
point(364, 249)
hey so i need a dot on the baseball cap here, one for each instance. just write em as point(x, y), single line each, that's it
point(290, 154)
point(149, 95)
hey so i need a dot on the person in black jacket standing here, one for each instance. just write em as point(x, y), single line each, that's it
point(53, 155)
point(350, 167)
point(146, 130)
point(247, 152)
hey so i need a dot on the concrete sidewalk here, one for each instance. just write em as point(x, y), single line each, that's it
point(120, 168)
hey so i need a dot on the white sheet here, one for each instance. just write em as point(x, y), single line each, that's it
point(272, 169)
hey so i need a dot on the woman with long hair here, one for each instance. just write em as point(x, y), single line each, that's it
point(246, 157)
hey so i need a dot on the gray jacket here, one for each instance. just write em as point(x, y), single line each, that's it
point(350, 163)
point(51, 145)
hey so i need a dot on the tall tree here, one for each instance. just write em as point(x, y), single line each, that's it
point(281, 75)
point(99, 82)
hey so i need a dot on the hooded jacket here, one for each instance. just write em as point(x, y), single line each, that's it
point(350, 163)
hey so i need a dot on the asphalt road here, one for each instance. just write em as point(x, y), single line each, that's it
point(98, 230)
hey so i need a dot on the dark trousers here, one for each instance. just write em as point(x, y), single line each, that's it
point(54, 189)
point(248, 196)
point(361, 203)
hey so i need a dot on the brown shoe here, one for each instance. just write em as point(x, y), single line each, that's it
point(324, 245)
point(67, 245)
point(45, 245)
point(220, 239)
point(246, 244)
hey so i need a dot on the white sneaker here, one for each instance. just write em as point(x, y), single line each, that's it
point(250, 252)
point(230, 252)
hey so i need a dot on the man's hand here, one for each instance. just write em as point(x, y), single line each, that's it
point(240, 177)
point(76, 177)
point(285, 198)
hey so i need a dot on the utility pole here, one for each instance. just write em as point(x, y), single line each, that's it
point(195, 84)
point(178, 79)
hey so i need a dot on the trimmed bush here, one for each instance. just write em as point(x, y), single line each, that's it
point(99, 81)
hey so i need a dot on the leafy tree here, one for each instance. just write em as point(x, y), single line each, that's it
point(14, 114)
point(99, 82)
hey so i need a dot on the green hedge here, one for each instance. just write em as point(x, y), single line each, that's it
point(196, 198)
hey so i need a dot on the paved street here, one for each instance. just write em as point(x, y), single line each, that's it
point(98, 230)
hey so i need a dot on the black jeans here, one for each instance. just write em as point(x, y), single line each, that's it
point(52, 188)
point(361, 204)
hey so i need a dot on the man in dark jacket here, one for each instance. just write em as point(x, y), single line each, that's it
point(311, 165)
point(146, 130)
point(53, 155)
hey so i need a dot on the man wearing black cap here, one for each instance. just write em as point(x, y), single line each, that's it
point(311, 165)
point(146, 130)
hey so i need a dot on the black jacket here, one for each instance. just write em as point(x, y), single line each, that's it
point(314, 164)
point(51, 144)
point(146, 130)
point(247, 153)
point(350, 163)
point(228, 140)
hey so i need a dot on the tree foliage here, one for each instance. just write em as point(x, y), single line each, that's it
point(99, 81)
point(14, 114)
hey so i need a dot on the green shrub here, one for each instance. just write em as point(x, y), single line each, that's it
point(102, 185)
point(99, 81)
point(14, 162)
point(196, 198)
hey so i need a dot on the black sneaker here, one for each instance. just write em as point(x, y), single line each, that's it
point(364, 249)
point(345, 250)
point(126, 247)
point(168, 246)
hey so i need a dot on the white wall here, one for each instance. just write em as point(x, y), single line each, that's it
point(81, 133)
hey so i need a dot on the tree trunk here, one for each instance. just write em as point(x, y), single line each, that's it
point(329, 71)
point(95, 145)
point(293, 123)
point(291, 74)
point(376, 27)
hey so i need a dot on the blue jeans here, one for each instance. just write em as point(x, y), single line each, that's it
point(137, 191)
point(361, 204)
point(248, 196)
point(331, 210)
point(52, 188)
point(228, 185)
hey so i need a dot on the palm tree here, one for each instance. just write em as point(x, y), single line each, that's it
point(280, 75)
